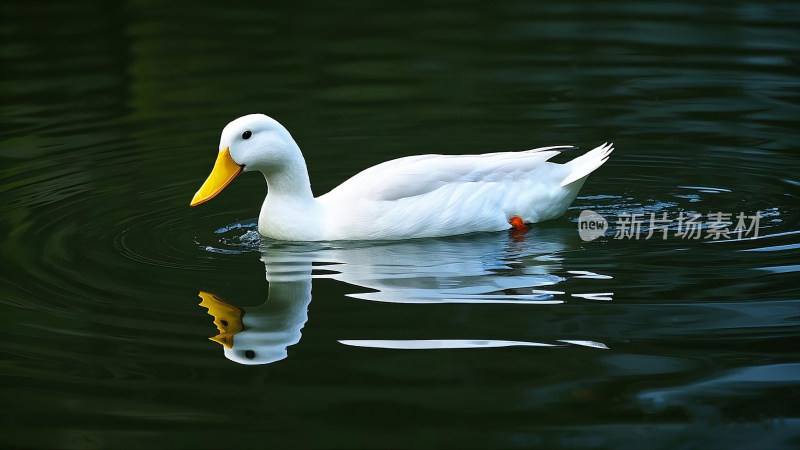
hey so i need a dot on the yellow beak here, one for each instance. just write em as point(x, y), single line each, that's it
point(224, 171)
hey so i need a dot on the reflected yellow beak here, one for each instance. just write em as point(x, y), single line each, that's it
point(227, 318)
point(224, 171)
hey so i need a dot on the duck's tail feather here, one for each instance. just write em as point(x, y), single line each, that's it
point(583, 165)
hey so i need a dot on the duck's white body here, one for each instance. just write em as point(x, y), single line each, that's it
point(411, 197)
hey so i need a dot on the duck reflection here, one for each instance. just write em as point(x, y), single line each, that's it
point(262, 334)
point(488, 268)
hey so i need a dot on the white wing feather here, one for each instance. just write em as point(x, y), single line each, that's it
point(431, 195)
point(416, 175)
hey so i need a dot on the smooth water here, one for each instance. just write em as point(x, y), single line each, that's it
point(111, 119)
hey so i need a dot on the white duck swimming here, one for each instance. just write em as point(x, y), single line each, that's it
point(411, 197)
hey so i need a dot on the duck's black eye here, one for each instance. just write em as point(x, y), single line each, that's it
point(247, 134)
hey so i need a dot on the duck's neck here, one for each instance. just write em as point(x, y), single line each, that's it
point(290, 211)
point(289, 182)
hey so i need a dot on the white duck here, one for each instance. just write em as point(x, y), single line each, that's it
point(411, 197)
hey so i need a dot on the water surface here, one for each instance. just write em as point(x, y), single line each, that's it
point(111, 119)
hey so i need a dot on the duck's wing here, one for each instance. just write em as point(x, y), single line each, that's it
point(417, 175)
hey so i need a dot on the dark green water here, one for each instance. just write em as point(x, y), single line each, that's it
point(111, 114)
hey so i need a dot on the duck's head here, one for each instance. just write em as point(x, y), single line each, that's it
point(251, 142)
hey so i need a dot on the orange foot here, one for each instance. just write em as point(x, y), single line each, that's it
point(518, 224)
point(518, 228)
